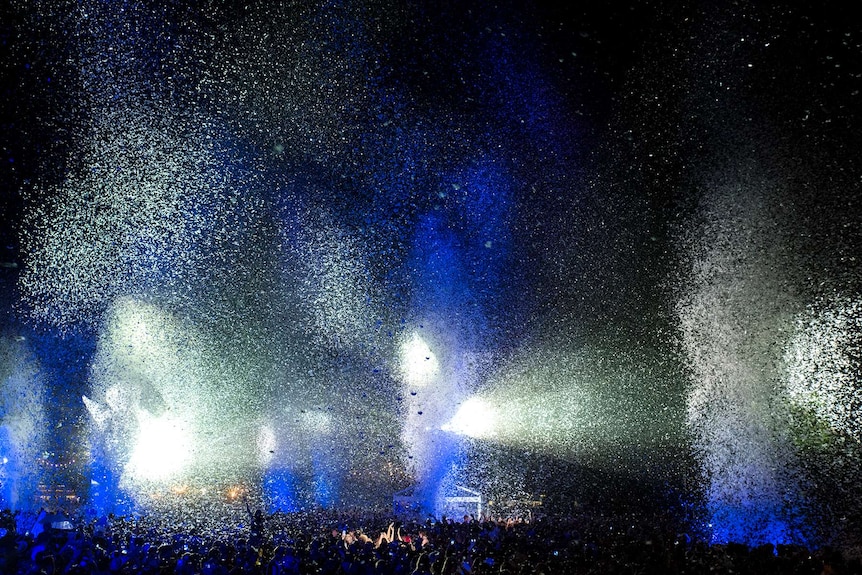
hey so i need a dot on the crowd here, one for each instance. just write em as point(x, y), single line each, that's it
point(321, 543)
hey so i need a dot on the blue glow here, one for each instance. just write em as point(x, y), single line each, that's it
point(9, 473)
point(439, 472)
point(444, 295)
point(754, 525)
point(487, 214)
point(440, 280)
point(104, 487)
point(326, 483)
point(279, 490)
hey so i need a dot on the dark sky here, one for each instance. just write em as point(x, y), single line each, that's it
point(612, 117)
point(631, 76)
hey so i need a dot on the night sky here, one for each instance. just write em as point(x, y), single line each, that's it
point(634, 230)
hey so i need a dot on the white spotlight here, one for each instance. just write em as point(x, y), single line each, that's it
point(266, 444)
point(419, 363)
point(162, 449)
point(475, 418)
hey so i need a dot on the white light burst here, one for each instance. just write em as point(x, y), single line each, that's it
point(419, 363)
point(266, 444)
point(162, 450)
point(476, 418)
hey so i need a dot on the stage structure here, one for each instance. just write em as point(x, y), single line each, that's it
point(455, 502)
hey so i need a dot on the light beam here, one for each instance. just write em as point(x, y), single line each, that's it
point(162, 450)
point(475, 418)
point(419, 364)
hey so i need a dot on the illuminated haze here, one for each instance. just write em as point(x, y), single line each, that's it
point(323, 253)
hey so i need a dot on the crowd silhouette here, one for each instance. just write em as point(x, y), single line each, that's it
point(321, 542)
